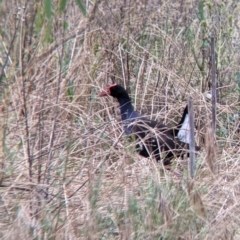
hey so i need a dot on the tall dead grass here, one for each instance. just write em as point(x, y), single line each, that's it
point(67, 170)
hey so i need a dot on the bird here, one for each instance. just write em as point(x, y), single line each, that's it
point(152, 138)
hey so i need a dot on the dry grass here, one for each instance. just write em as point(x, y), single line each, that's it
point(67, 170)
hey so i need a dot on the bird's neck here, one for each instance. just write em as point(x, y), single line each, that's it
point(126, 108)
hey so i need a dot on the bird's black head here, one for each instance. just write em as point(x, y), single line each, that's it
point(116, 91)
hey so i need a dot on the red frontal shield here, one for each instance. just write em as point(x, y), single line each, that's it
point(107, 91)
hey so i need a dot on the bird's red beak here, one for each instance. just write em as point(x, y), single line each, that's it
point(107, 91)
point(104, 92)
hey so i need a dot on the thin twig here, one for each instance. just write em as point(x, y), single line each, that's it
point(214, 91)
point(192, 141)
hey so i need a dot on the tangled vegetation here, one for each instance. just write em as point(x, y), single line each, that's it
point(66, 169)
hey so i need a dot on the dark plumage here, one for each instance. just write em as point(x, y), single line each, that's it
point(152, 138)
